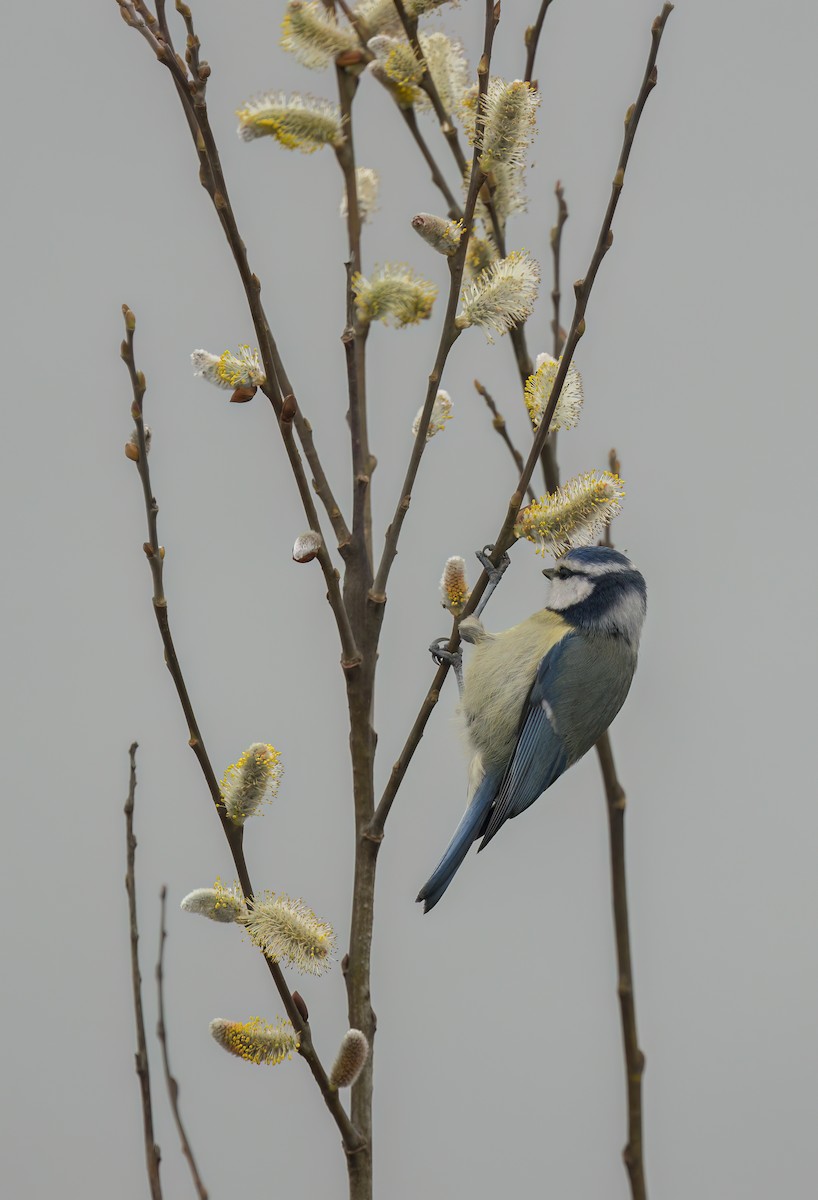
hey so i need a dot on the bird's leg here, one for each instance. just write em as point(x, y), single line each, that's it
point(455, 661)
point(495, 574)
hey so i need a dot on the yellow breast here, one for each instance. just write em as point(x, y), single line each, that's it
point(498, 677)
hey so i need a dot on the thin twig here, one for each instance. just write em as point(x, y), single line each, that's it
point(556, 247)
point(455, 211)
point(152, 1152)
point(498, 422)
point(155, 554)
point(615, 467)
point(517, 333)
point(161, 1033)
point(505, 535)
point(191, 92)
point(532, 39)
point(429, 86)
point(449, 331)
point(633, 1154)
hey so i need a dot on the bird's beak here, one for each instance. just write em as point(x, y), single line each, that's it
point(549, 572)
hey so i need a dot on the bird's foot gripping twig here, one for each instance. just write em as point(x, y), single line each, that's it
point(495, 574)
point(455, 660)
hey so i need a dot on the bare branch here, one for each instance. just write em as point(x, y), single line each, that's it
point(155, 553)
point(499, 423)
point(447, 126)
point(161, 1033)
point(632, 1155)
point(355, 334)
point(455, 210)
point(532, 39)
point(152, 1152)
point(556, 247)
point(191, 92)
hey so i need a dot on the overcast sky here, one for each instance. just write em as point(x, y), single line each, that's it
point(499, 1061)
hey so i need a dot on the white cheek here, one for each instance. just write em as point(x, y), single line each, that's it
point(566, 592)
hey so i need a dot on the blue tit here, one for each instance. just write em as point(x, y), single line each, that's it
point(538, 696)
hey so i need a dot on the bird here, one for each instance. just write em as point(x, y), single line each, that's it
point(538, 696)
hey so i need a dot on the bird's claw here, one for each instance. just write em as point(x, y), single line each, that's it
point(440, 655)
point(495, 573)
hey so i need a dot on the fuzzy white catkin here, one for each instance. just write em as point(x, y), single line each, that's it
point(350, 1060)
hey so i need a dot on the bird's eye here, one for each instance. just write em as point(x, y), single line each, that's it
point(563, 573)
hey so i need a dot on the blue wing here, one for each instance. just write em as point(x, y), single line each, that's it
point(540, 755)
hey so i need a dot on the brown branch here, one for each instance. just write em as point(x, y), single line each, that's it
point(632, 1155)
point(455, 211)
point(354, 335)
point(429, 86)
point(532, 39)
point(161, 1033)
point(615, 467)
point(517, 334)
point(449, 332)
point(191, 91)
point(155, 553)
point(556, 247)
point(498, 422)
point(152, 1152)
point(505, 536)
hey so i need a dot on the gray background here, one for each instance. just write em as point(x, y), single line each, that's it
point(499, 1062)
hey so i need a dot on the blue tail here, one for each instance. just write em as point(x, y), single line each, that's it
point(471, 827)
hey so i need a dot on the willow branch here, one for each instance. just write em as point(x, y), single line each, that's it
point(505, 536)
point(498, 422)
point(429, 86)
point(517, 334)
point(350, 654)
point(449, 332)
point(234, 833)
point(152, 1152)
point(354, 335)
point(191, 90)
point(161, 1033)
point(455, 212)
point(632, 1155)
point(532, 39)
point(556, 248)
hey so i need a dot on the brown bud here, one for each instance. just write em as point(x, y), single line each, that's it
point(349, 58)
point(243, 394)
point(298, 1001)
point(130, 319)
point(289, 408)
point(132, 452)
